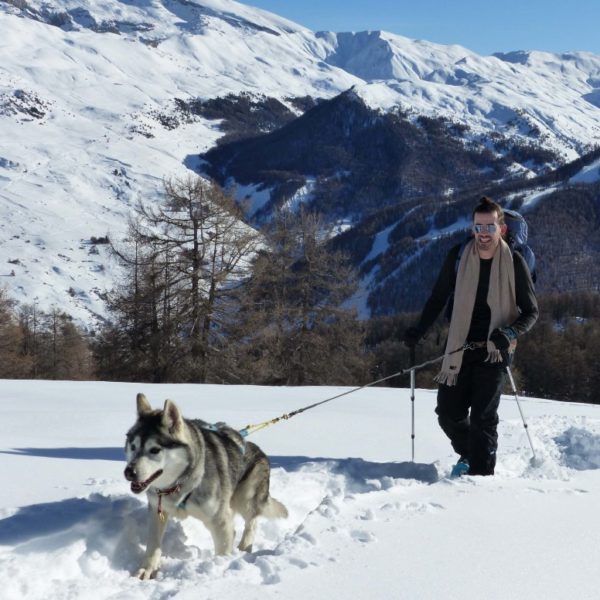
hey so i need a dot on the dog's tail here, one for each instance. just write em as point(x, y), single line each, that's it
point(274, 509)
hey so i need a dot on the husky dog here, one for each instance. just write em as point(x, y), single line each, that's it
point(189, 467)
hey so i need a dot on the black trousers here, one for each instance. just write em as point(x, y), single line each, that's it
point(473, 436)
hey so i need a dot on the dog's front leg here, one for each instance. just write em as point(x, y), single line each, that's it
point(222, 532)
point(156, 531)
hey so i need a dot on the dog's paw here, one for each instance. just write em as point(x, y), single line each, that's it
point(145, 573)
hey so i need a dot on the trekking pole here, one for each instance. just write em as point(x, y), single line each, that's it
point(412, 400)
point(253, 428)
point(514, 387)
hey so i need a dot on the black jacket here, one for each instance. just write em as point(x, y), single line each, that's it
point(443, 292)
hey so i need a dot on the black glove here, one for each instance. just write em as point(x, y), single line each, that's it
point(501, 340)
point(412, 336)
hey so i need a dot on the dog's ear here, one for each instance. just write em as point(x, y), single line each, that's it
point(172, 418)
point(143, 406)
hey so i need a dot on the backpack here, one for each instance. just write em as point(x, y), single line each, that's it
point(516, 238)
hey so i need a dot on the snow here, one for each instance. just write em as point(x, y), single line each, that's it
point(365, 521)
point(589, 174)
point(533, 197)
point(251, 197)
point(301, 197)
point(82, 142)
point(380, 243)
point(462, 224)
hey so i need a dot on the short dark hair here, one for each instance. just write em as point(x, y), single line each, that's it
point(487, 205)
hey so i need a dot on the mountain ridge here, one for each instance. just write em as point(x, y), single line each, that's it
point(83, 140)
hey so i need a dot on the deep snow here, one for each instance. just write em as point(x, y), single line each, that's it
point(364, 521)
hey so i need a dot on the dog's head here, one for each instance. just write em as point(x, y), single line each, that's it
point(156, 447)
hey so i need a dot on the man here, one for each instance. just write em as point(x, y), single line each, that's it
point(493, 304)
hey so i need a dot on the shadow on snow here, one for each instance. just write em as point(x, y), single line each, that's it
point(361, 471)
point(114, 526)
point(70, 453)
point(355, 469)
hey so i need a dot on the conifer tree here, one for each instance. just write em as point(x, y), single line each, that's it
point(183, 258)
point(13, 362)
point(295, 328)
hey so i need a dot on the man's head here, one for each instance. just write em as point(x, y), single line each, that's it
point(488, 226)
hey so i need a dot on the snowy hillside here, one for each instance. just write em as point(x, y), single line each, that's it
point(365, 522)
point(589, 174)
point(87, 105)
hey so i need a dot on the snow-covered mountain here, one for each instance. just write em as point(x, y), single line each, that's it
point(87, 90)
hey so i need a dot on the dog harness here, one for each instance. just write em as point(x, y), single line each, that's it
point(172, 490)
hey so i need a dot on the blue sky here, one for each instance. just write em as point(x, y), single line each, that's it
point(482, 26)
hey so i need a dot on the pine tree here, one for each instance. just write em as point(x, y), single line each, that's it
point(293, 325)
point(51, 346)
point(13, 361)
point(183, 259)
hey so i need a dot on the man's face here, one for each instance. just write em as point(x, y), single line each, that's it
point(487, 241)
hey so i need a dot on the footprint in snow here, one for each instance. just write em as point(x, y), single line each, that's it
point(328, 508)
point(363, 536)
point(413, 507)
point(536, 490)
point(296, 562)
point(368, 515)
point(575, 491)
point(304, 535)
point(269, 573)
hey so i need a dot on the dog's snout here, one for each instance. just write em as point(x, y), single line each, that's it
point(130, 473)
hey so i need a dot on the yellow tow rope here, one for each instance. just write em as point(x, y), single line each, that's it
point(246, 431)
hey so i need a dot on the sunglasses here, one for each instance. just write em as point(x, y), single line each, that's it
point(489, 228)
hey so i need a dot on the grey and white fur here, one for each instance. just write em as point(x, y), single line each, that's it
point(188, 467)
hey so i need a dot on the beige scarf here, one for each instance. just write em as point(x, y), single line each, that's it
point(501, 299)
